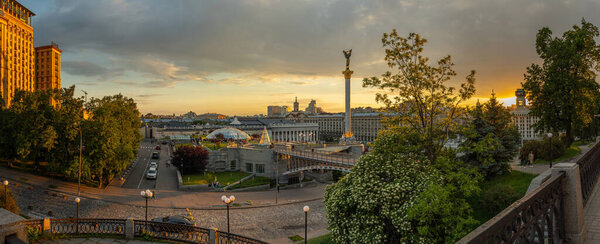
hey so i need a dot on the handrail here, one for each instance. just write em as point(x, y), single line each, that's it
point(141, 228)
point(589, 171)
point(530, 219)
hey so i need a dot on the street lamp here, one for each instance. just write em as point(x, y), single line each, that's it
point(77, 200)
point(5, 182)
point(306, 209)
point(228, 201)
point(146, 194)
point(550, 136)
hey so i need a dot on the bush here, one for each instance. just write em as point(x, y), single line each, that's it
point(541, 150)
point(11, 204)
point(498, 198)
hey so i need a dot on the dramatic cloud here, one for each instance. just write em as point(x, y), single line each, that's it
point(237, 42)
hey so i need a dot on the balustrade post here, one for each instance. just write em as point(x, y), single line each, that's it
point(572, 202)
point(46, 226)
point(212, 236)
point(129, 229)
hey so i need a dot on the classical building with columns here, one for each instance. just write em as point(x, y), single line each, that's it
point(280, 130)
point(522, 118)
point(365, 126)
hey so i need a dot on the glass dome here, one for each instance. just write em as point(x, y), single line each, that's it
point(229, 133)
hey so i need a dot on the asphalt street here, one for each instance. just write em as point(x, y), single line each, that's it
point(166, 178)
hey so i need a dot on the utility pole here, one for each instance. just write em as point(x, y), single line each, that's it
point(81, 144)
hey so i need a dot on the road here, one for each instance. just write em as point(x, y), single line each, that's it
point(166, 178)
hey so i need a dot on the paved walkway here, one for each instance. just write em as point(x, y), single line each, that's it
point(166, 198)
point(540, 168)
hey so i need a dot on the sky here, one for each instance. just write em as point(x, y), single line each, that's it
point(236, 57)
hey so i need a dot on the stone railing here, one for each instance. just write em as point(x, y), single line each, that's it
point(552, 213)
point(130, 229)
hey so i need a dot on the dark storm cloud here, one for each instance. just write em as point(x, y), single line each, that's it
point(89, 69)
point(170, 41)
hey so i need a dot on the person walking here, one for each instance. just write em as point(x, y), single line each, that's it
point(531, 159)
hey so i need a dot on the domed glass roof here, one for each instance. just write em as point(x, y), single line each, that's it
point(229, 133)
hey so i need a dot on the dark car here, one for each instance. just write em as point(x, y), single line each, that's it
point(163, 142)
point(157, 147)
point(176, 219)
point(155, 155)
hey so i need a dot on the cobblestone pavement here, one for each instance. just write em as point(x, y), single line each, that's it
point(272, 224)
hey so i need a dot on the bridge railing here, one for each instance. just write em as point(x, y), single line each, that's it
point(348, 160)
point(134, 228)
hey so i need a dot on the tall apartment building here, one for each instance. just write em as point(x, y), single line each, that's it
point(16, 48)
point(47, 67)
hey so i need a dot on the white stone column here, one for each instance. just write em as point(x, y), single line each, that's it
point(575, 227)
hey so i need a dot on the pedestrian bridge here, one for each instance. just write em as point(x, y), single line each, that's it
point(305, 159)
point(565, 208)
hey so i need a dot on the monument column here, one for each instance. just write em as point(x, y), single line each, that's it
point(347, 137)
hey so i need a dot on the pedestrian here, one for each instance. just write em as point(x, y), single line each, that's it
point(531, 159)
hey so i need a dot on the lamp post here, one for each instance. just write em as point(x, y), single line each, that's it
point(306, 209)
point(81, 144)
point(146, 194)
point(77, 200)
point(5, 182)
point(228, 201)
point(550, 136)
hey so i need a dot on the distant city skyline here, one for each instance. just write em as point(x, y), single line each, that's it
point(237, 57)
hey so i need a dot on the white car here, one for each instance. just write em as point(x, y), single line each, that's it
point(153, 165)
point(151, 174)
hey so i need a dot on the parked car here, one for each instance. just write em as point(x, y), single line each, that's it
point(163, 142)
point(151, 175)
point(155, 155)
point(153, 164)
point(157, 147)
point(176, 219)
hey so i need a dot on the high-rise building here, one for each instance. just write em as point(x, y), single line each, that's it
point(16, 48)
point(47, 67)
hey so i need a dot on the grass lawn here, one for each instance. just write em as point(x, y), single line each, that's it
point(225, 178)
point(254, 181)
point(324, 239)
point(572, 151)
point(519, 181)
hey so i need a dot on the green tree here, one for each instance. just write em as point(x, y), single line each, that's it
point(417, 95)
point(409, 189)
point(563, 92)
point(112, 136)
point(491, 139)
point(392, 197)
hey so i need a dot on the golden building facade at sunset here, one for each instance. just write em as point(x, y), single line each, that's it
point(16, 50)
point(47, 67)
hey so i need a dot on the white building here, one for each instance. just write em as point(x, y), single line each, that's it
point(522, 119)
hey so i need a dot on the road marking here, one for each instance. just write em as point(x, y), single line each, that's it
point(144, 174)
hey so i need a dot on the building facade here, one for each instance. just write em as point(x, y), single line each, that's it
point(365, 126)
point(47, 67)
point(522, 119)
point(16, 47)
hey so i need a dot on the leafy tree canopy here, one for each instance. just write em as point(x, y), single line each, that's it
point(562, 91)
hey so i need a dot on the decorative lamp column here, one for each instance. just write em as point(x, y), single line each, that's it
point(306, 209)
point(227, 201)
point(5, 183)
point(550, 136)
point(347, 137)
point(77, 200)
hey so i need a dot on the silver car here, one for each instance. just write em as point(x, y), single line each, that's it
point(151, 174)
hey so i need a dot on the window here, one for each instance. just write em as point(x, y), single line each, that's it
point(260, 168)
point(248, 167)
point(232, 165)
